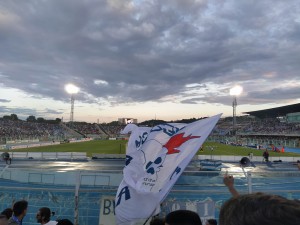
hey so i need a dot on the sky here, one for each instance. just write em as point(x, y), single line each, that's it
point(147, 59)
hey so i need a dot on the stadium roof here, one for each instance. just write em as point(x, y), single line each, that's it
point(275, 112)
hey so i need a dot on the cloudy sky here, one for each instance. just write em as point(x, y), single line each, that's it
point(169, 59)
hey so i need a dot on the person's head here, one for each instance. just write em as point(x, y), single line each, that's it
point(3, 220)
point(7, 212)
point(20, 208)
point(183, 217)
point(64, 222)
point(211, 222)
point(5, 155)
point(157, 221)
point(43, 215)
point(259, 208)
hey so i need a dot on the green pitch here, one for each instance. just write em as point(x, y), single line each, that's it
point(119, 147)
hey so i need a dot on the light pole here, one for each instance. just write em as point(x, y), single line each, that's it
point(235, 91)
point(72, 90)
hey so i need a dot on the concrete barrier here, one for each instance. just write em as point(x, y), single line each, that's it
point(109, 156)
point(20, 155)
point(48, 155)
point(79, 155)
point(254, 158)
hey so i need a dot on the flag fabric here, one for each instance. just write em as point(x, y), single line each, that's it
point(155, 158)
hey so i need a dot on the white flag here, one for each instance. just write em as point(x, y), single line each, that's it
point(155, 159)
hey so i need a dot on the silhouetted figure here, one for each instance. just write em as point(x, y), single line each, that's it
point(180, 217)
point(8, 212)
point(19, 212)
point(6, 157)
point(211, 222)
point(258, 209)
point(266, 155)
point(64, 222)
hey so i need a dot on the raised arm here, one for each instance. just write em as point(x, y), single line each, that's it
point(229, 183)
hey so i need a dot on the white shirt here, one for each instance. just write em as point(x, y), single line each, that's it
point(51, 222)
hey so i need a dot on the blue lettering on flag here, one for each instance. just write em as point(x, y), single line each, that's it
point(128, 160)
point(141, 140)
point(170, 130)
point(125, 191)
point(177, 170)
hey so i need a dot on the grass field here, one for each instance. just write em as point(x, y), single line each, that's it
point(222, 149)
point(119, 147)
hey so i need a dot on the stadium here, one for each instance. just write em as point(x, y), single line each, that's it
point(82, 187)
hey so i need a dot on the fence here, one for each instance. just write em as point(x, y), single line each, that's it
point(87, 197)
point(48, 155)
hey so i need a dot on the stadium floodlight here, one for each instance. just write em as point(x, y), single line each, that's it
point(72, 90)
point(235, 91)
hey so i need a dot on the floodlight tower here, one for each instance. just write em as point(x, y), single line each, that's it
point(72, 90)
point(235, 91)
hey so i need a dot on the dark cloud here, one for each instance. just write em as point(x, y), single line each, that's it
point(51, 111)
point(147, 50)
point(4, 100)
point(22, 113)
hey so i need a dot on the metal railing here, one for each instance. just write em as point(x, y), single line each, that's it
point(88, 197)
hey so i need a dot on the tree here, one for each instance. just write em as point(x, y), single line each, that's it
point(14, 117)
point(113, 123)
point(6, 117)
point(40, 120)
point(31, 119)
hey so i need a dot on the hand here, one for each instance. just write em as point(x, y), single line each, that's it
point(228, 180)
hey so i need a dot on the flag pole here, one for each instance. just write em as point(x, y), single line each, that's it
point(147, 220)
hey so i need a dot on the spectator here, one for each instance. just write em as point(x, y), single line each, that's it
point(266, 155)
point(183, 217)
point(43, 216)
point(6, 157)
point(19, 212)
point(258, 209)
point(64, 222)
point(8, 212)
point(211, 222)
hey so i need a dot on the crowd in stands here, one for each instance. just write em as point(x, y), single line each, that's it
point(261, 126)
point(270, 126)
point(25, 130)
point(86, 129)
point(18, 129)
point(112, 130)
point(258, 131)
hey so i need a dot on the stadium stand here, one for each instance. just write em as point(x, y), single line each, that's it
point(276, 126)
